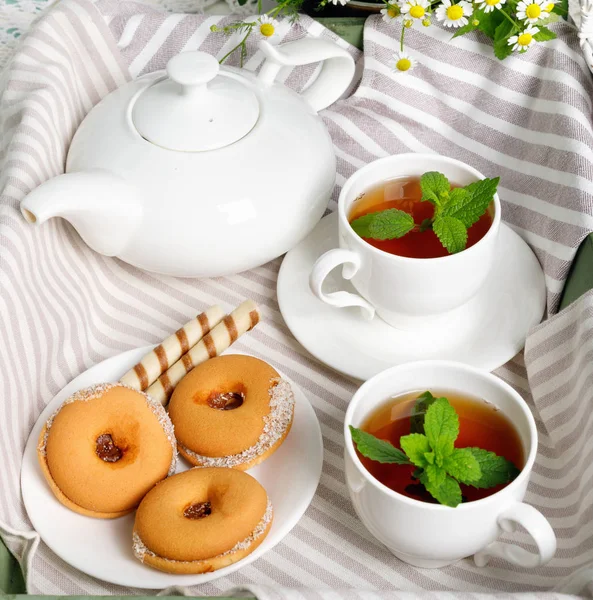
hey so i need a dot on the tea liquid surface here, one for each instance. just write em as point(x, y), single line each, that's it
point(481, 425)
point(405, 194)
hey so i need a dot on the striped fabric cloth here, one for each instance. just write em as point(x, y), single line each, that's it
point(64, 308)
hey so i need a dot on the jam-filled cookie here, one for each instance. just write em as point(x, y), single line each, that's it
point(104, 448)
point(201, 520)
point(231, 411)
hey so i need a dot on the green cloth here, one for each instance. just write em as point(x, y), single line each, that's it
point(11, 579)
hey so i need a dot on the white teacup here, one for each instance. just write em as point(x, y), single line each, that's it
point(433, 535)
point(408, 293)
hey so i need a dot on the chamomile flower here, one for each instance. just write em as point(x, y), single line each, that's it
point(266, 27)
point(415, 10)
point(403, 62)
point(340, 2)
point(524, 40)
point(532, 11)
point(391, 11)
point(549, 5)
point(454, 15)
point(489, 5)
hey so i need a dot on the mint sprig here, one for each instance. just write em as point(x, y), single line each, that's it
point(440, 467)
point(456, 210)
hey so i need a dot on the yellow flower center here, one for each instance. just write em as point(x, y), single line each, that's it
point(417, 12)
point(550, 7)
point(524, 39)
point(533, 11)
point(454, 12)
point(392, 11)
point(492, 2)
point(403, 64)
point(267, 29)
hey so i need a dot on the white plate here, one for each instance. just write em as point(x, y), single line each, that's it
point(488, 332)
point(103, 548)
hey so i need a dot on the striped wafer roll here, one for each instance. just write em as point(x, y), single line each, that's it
point(242, 319)
point(157, 361)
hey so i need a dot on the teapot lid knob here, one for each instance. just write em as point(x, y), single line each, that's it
point(198, 107)
point(189, 69)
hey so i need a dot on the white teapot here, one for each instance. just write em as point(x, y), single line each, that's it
point(202, 170)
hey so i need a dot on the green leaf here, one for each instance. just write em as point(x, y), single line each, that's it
point(436, 475)
point(463, 466)
point(561, 9)
point(478, 14)
point(441, 425)
point(375, 449)
point(419, 411)
point(503, 32)
point(434, 186)
point(468, 204)
point(416, 446)
point(489, 22)
point(544, 34)
point(495, 469)
point(451, 232)
point(502, 49)
point(384, 225)
point(446, 492)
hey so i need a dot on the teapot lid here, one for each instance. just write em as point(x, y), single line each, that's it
point(197, 108)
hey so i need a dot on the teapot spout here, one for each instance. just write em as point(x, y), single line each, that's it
point(103, 208)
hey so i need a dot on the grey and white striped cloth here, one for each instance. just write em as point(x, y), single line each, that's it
point(64, 308)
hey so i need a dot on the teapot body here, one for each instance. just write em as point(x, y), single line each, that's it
point(206, 214)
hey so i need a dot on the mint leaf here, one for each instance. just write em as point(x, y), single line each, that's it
point(436, 475)
point(384, 225)
point(375, 449)
point(441, 426)
point(544, 34)
point(416, 446)
point(446, 490)
point(495, 469)
point(463, 466)
point(419, 411)
point(468, 204)
point(451, 232)
point(434, 186)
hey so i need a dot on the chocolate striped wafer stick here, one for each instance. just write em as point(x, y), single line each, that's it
point(157, 361)
point(242, 319)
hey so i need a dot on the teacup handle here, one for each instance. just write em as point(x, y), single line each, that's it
point(538, 528)
point(326, 263)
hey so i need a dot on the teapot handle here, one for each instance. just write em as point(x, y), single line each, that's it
point(336, 73)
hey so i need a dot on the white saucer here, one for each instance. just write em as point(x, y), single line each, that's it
point(103, 548)
point(486, 333)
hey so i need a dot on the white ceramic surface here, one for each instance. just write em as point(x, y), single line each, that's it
point(103, 548)
point(432, 535)
point(487, 332)
point(407, 293)
point(205, 209)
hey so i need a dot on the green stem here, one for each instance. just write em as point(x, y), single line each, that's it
point(513, 22)
point(241, 43)
point(401, 39)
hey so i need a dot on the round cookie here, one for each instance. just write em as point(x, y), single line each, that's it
point(104, 448)
point(201, 520)
point(231, 411)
